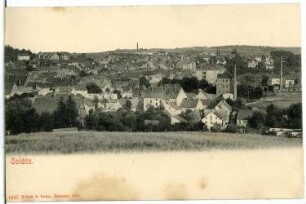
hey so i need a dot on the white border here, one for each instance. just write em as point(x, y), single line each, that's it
point(63, 3)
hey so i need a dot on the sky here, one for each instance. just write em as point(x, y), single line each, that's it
point(95, 29)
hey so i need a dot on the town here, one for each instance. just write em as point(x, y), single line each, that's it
point(227, 88)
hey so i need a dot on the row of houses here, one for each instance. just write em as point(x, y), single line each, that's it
point(171, 98)
point(267, 60)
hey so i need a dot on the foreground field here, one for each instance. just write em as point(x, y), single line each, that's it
point(140, 141)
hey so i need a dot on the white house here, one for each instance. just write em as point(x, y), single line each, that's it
point(289, 82)
point(275, 81)
point(158, 96)
point(214, 118)
point(23, 57)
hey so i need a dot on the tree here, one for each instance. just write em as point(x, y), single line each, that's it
point(118, 93)
point(59, 114)
point(235, 59)
point(274, 116)
point(295, 116)
point(257, 120)
point(71, 112)
point(128, 105)
point(144, 82)
point(93, 88)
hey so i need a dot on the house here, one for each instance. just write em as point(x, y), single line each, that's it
point(289, 82)
point(205, 96)
point(221, 61)
point(215, 118)
point(11, 89)
point(186, 64)
point(224, 83)
point(223, 106)
point(63, 90)
point(193, 105)
point(242, 119)
point(175, 119)
point(252, 64)
point(23, 57)
point(154, 79)
point(108, 105)
point(258, 59)
point(275, 81)
point(189, 65)
point(269, 62)
point(148, 65)
point(158, 96)
point(81, 90)
point(210, 74)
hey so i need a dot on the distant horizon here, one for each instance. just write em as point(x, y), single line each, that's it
point(158, 48)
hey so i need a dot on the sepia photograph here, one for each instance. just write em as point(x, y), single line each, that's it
point(153, 102)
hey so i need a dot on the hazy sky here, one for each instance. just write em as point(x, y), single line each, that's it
point(107, 28)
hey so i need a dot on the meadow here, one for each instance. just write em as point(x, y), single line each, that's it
point(94, 142)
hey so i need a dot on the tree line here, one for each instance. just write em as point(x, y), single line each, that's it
point(276, 117)
point(20, 116)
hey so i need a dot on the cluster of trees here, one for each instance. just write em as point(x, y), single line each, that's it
point(93, 88)
point(20, 116)
point(249, 92)
point(191, 84)
point(290, 59)
point(275, 117)
point(11, 53)
point(126, 120)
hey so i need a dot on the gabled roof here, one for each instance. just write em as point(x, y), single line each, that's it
point(206, 95)
point(8, 87)
point(190, 95)
point(224, 103)
point(223, 115)
point(80, 87)
point(168, 91)
point(205, 101)
point(186, 103)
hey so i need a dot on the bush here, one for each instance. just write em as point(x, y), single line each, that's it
point(231, 128)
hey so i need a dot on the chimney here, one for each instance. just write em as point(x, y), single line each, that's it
point(137, 45)
point(235, 83)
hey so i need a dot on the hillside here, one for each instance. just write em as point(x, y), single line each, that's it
point(244, 50)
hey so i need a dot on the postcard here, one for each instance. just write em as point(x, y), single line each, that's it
point(176, 102)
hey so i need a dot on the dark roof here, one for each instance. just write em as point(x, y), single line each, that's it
point(186, 103)
point(191, 95)
point(168, 91)
point(8, 87)
point(205, 101)
point(225, 75)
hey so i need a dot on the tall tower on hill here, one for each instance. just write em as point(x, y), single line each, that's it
point(137, 46)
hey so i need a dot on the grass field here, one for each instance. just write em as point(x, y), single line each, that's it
point(129, 141)
point(281, 100)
